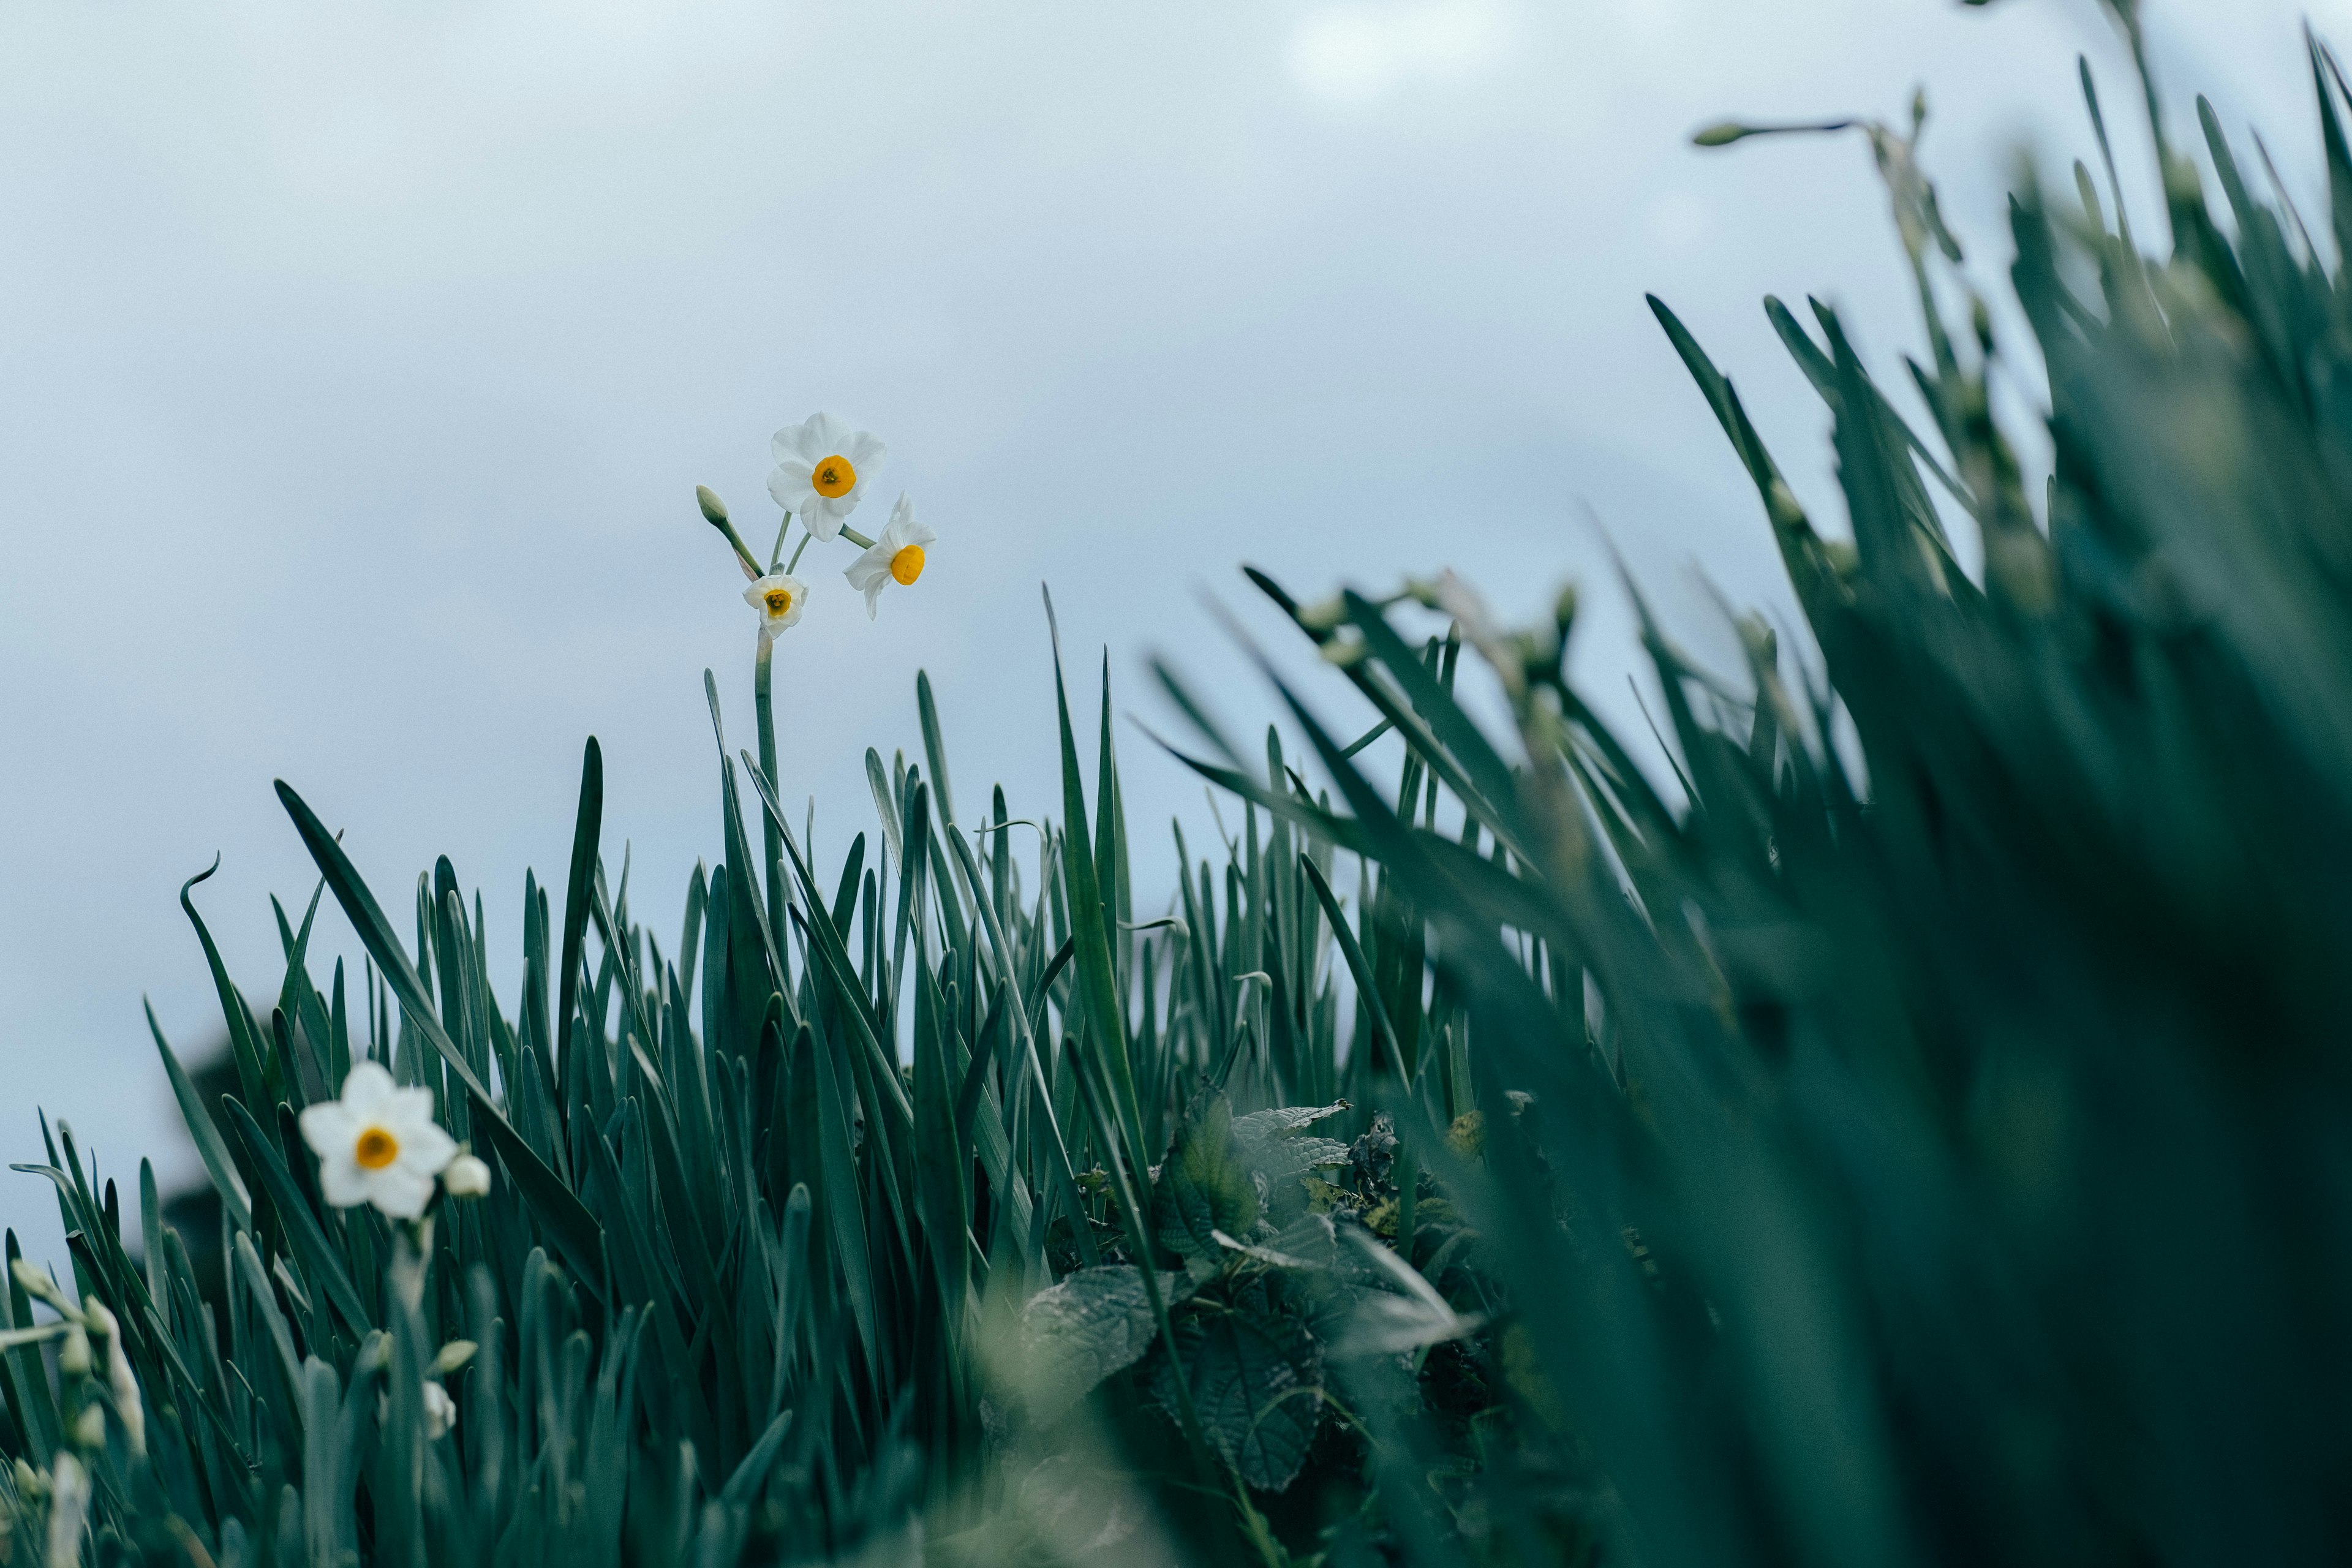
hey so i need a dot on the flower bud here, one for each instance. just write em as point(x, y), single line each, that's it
point(1344, 652)
point(89, 1427)
point(466, 1177)
point(1324, 615)
point(120, 1380)
point(35, 1283)
point(714, 510)
point(73, 1356)
point(1723, 134)
point(68, 1507)
point(452, 1356)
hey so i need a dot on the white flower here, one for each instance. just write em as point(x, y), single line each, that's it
point(780, 598)
point(896, 557)
point(822, 469)
point(440, 1410)
point(466, 1177)
point(378, 1144)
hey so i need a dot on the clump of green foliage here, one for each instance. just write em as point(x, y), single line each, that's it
point(1921, 1146)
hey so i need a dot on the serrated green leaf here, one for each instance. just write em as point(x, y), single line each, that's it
point(1254, 1382)
point(1204, 1187)
point(1076, 1333)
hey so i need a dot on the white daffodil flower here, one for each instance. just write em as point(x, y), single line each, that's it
point(378, 1144)
point(780, 598)
point(822, 469)
point(896, 557)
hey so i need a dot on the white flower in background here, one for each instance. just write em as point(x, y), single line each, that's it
point(822, 469)
point(440, 1410)
point(378, 1144)
point(466, 1177)
point(780, 598)
point(896, 557)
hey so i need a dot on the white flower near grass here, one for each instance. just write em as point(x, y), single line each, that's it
point(378, 1144)
point(780, 598)
point(468, 1177)
point(896, 557)
point(822, 469)
point(440, 1410)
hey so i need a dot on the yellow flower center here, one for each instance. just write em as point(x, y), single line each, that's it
point(376, 1149)
point(833, 476)
point(779, 600)
point(908, 564)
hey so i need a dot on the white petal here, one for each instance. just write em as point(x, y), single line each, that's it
point(828, 435)
point(818, 518)
point(795, 442)
point(793, 495)
point(865, 453)
point(408, 1110)
point(919, 534)
point(874, 591)
point(366, 1087)
point(869, 564)
point(426, 1149)
point(329, 1129)
point(400, 1192)
point(342, 1182)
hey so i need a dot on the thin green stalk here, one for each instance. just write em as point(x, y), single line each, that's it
point(772, 840)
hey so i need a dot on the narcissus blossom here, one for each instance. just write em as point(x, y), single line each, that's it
point(780, 598)
point(896, 557)
point(822, 469)
point(378, 1144)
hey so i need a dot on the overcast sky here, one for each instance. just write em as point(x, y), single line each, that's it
point(361, 360)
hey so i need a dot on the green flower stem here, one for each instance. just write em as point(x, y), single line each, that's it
point(742, 550)
point(770, 840)
point(857, 537)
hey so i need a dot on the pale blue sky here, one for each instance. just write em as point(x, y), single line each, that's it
point(362, 358)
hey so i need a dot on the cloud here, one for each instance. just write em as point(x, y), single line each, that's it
point(1360, 52)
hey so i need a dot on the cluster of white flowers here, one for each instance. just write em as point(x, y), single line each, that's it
point(823, 470)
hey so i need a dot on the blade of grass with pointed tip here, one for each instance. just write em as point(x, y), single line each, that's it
point(219, 1165)
point(568, 1223)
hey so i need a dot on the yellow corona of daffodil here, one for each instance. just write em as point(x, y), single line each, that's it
point(823, 468)
point(896, 557)
point(780, 598)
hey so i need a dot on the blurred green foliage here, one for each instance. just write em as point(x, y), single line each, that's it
point(1920, 1134)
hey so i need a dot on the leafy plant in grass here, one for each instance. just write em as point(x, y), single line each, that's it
point(1933, 1151)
